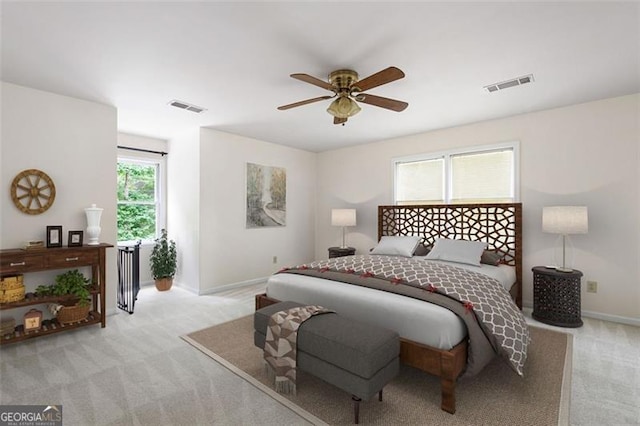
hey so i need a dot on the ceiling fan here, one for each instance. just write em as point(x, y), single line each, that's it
point(348, 89)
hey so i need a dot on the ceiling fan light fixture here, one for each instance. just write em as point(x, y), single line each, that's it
point(343, 107)
point(347, 90)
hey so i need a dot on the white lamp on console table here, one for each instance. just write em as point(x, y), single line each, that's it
point(344, 218)
point(565, 220)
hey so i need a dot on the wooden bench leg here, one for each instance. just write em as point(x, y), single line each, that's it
point(356, 408)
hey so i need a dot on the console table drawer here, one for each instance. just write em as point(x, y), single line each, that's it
point(71, 259)
point(21, 263)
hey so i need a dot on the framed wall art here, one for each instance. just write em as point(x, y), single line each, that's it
point(266, 196)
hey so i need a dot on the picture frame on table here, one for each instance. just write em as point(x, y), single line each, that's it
point(75, 239)
point(54, 236)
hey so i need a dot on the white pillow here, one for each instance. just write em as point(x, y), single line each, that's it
point(397, 245)
point(461, 251)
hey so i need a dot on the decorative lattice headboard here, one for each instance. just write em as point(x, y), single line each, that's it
point(499, 225)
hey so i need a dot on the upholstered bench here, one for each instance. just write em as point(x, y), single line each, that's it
point(355, 357)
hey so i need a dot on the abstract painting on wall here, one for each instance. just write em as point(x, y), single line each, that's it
point(266, 196)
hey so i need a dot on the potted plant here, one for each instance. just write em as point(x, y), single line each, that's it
point(70, 283)
point(163, 261)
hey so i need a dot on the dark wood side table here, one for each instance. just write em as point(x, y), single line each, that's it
point(341, 251)
point(556, 297)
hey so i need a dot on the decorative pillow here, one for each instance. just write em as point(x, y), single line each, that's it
point(422, 250)
point(461, 251)
point(490, 258)
point(397, 245)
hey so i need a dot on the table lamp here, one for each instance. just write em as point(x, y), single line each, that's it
point(565, 220)
point(344, 218)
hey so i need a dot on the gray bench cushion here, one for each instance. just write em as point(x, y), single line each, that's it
point(358, 348)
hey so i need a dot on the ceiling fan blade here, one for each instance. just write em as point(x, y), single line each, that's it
point(378, 79)
point(381, 102)
point(305, 102)
point(313, 80)
point(337, 120)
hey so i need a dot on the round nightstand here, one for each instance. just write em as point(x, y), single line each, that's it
point(341, 251)
point(556, 297)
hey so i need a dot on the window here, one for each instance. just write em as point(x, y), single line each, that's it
point(475, 175)
point(140, 206)
point(410, 178)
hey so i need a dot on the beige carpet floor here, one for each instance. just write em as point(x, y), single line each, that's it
point(496, 396)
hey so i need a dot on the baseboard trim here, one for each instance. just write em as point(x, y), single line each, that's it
point(193, 290)
point(612, 318)
point(598, 315)
point(232, 286)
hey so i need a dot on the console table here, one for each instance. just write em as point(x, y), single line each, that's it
point(18, 261)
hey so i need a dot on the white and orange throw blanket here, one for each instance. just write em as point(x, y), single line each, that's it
point(280, 348)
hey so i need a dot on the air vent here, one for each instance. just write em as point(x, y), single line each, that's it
point(187, 106)
point(510, 83)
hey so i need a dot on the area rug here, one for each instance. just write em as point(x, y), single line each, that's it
point(497, 396)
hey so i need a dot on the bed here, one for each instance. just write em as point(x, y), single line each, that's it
point(443, 354)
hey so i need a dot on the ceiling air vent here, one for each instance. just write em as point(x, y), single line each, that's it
point(510, 83)
point(187, 106)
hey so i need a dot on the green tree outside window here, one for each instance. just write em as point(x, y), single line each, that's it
point(137, 202)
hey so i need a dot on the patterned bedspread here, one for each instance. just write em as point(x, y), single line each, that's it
point(481, 301)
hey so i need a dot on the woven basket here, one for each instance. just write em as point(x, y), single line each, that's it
point(71, 314)
point(11, 282)
point(12, 295)
point(11, 289)
point(7, 326)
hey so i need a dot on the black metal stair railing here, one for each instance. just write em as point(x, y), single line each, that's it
point(128, 276)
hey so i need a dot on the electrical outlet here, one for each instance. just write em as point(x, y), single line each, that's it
point(592, 286)
point(275, 259)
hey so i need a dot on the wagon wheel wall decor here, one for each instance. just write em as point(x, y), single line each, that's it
point(33, 191)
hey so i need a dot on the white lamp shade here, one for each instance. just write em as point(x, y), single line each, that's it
point(343, 217)
point(565, 220)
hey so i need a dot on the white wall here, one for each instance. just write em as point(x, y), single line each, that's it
point(74, 142)
point(152, 144)
point(585, 154)
point(230, 253)
point(183, 207)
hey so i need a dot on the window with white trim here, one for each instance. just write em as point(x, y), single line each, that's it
point(141, 207)
point(486, 174)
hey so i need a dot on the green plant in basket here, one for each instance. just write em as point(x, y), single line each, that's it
point(72, 282)
point(44, 290)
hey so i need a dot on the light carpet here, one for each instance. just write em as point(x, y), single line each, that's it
point(496, 396)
